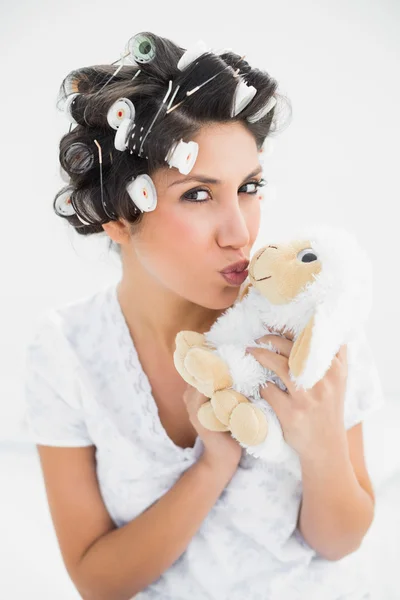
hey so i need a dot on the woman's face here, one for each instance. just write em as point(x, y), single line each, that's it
point(198, 229)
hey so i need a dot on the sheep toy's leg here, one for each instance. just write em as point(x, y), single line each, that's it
point(184, 341)
point(228, 410)
point(210, 371)
point(207, 418)
point(248, 424)
point(224, 402)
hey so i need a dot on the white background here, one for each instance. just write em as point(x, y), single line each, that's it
point(337, 162)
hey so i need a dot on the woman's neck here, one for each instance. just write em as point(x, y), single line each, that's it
point(154, 312)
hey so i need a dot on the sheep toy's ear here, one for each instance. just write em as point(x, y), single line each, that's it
point(301, 349)
point(314, 348)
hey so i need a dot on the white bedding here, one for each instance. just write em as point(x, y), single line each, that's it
point(31, 561)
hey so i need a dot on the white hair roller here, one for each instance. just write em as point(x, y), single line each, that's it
point(192, 54)
point(121, 135)
point(64, 206)
point(120, 110)
point(182, 155)
point(263, 111)
point(244, 93)
point(143, 192)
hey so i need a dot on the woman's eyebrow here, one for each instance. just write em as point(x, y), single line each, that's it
point(205, 179)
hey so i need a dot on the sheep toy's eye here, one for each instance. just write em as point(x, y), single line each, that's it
point(307, 255)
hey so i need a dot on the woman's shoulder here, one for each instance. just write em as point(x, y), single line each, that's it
point(56, 359)
point(88, 307)
point(78, 324)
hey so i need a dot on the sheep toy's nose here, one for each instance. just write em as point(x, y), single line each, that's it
point(259, 254)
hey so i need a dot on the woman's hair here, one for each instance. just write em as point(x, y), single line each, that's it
point(98, 90)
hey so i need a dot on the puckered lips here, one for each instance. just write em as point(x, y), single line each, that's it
point(236, 273)
point(237, 267)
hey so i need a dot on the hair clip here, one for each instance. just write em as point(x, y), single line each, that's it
point(122, 58)
point(110, 215)
point(173, 97)
point(143, 193)
point(195, 89)
point(140, 48)
point(113, 74)
point(183, 155)
point(263, 111)
point(244, 94)
point(155, 118)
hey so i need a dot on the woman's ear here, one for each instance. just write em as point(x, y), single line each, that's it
point(244, 291)
point(301, 349)
point(118, 231)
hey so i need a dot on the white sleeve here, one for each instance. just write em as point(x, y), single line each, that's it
point(364, 394)
point(52, 394)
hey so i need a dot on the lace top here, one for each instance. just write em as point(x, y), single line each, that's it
point(84, 385)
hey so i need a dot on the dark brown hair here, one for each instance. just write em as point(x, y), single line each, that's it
point(210, 104)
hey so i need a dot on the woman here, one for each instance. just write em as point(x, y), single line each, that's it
point(144, 500)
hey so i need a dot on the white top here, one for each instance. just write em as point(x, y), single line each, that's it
point(84, 385)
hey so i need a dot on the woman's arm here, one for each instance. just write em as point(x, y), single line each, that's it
point(109, 563)
point(338, 502)
point(338, 505)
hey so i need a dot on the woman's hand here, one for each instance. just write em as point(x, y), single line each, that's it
point(309, 418)
point(221, 450)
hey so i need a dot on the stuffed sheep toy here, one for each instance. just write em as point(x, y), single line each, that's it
point(318, 287)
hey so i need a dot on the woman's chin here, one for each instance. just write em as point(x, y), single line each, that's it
point(226, 298)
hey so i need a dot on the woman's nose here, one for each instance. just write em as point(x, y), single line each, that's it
point(233, 230)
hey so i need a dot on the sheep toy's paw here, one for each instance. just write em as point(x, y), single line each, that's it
point(207, 418)
point(184, 341)
point(248, 424)
point(208, 370)
point(223, 403)
point(188, 339)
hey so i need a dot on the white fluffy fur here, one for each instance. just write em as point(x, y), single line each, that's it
point(340, 298)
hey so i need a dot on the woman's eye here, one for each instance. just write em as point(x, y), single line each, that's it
point(257, 184)
point(189, 195)
point(250, 191)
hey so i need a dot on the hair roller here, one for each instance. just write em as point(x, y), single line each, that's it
point(119, 111)
point(141, 48)
point(142, 192)
point(77, 158)
point(64, 204)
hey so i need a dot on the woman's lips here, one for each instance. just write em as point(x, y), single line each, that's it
point(235, 278)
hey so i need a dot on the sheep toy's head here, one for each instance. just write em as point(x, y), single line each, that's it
point(319, 287)
point(281, 272)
